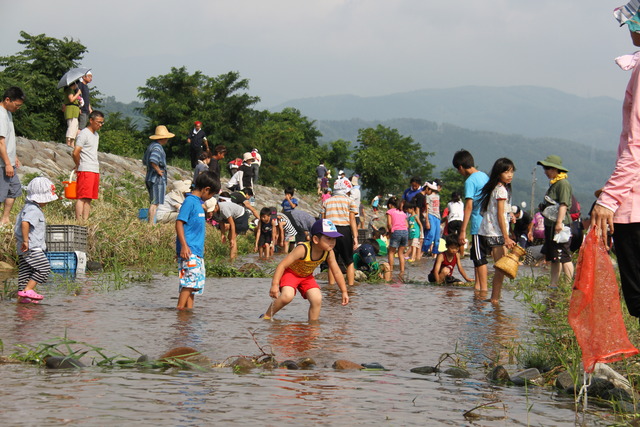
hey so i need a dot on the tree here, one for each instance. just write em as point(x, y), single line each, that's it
point(120, 136)
point(340, 154)
point(387, 160)
point(288, 143)
point(452, 182)
point(221, 103)
point(37, 70)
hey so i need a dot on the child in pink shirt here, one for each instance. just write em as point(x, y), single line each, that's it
point(398, 231)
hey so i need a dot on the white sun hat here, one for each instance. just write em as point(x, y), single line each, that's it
point(41, 190)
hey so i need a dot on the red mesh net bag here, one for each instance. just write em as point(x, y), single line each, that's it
point(594, 312)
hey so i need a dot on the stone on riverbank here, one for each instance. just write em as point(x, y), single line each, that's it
point(564, 381)
point(457, 372)
point(425, 370)
point(56, 362)
point(243, 364)
point(531, 375)
point(249, 267)
point(342, 364)
point(499, 374)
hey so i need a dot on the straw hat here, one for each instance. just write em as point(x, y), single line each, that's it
point(41, 190)
point(162, 133)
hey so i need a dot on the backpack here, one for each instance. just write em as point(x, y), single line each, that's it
point(538, 226)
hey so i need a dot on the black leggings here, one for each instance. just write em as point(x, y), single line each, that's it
point(626, 238)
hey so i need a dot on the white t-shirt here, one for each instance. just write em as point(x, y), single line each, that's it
point(88, 141)
point(9, 134)
point(456, 211)
point(490, 225)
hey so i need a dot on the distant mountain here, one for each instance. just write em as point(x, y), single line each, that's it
point(588, 167)
point(131, 109)
point(534, 112)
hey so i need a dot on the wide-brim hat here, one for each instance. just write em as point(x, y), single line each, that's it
point(553, 161)
point(247, 156)
point(626, 12)
point(162, 133)
point(182, 186)
point(326, 227)
point(41, 190)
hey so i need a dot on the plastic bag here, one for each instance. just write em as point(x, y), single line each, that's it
point(563, 236)
point(595, 314)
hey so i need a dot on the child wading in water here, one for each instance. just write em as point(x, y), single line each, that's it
point(30, 230)
point(446, 262)
point(265, 234)
point(295, 271)
point(190, 233)
point(496, 212)
point(399, 229)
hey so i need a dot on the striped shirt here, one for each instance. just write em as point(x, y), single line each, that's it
point(337, 209)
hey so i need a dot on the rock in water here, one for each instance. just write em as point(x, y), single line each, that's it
point(528, 375)
point(375, 366)
point(306, 363)
point(290, 364)
point(499, 373)
point(456, 372)
point(346, 365)
point(55, 362)
point(425, 370)
point(243, 364)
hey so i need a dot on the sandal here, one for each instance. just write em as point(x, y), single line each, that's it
point(31, 294)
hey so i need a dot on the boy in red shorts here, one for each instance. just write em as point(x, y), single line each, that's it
point(295, 271)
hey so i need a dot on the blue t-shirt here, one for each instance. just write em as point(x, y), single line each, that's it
point(410, 193)
point(472, 189)
point(286, 206)
point(192, 214)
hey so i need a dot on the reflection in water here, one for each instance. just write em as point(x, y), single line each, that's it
point(400, 326)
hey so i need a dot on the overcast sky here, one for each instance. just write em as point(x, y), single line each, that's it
point(303, 48)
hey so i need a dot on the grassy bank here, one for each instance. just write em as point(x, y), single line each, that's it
point(118, 239)
point(554, 348)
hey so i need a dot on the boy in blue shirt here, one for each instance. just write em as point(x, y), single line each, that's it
point(465, 165)
point(190, 233)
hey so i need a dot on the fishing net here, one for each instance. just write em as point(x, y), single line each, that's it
point(594, 312)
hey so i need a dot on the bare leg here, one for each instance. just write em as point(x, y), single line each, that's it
point(83, 209)
point(351, 274)
point(498, 277)
point(8, 204)
point(185, 299)
point(314, 296)
point(481, 278)
point(567, 269)
point(286, 296)
point(555, 274)
point(152, 213)
point(401, 258)
point(390, 254)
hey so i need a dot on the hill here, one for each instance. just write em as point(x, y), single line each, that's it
point(534, 112)
point(589, 168)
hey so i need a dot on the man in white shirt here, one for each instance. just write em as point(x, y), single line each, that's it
point(10, 187)
point(85, 156)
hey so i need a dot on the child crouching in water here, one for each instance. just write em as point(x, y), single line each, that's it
point(446, 262)
point(295, 271)
point(495, 205)
point(190, 233)
point(30, 231)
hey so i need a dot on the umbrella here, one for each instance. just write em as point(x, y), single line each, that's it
point(72, 75)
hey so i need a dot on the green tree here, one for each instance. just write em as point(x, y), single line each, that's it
point(120, 136)
point(288, 143)
point(340, 154)
point(452, 182)
point(221, 103)
point(387, 160)
point(37, 70)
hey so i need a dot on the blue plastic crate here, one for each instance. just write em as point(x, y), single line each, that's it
point(63, 262)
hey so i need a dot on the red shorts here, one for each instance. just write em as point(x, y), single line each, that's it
point(88, 183)
point(302, 284)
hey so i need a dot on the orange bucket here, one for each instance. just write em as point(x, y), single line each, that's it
point(70, 187)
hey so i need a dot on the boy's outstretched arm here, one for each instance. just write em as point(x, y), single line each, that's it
point(335, 269)
point(297, 253)
point(462, 271)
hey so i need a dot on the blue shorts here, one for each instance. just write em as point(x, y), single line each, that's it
point(10, 188)
point(399, 238)
point(156, 191)
point(192, 274)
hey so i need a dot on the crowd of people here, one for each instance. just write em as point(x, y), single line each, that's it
point(484, 211)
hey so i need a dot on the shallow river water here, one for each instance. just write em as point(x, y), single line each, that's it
point(400, 326)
